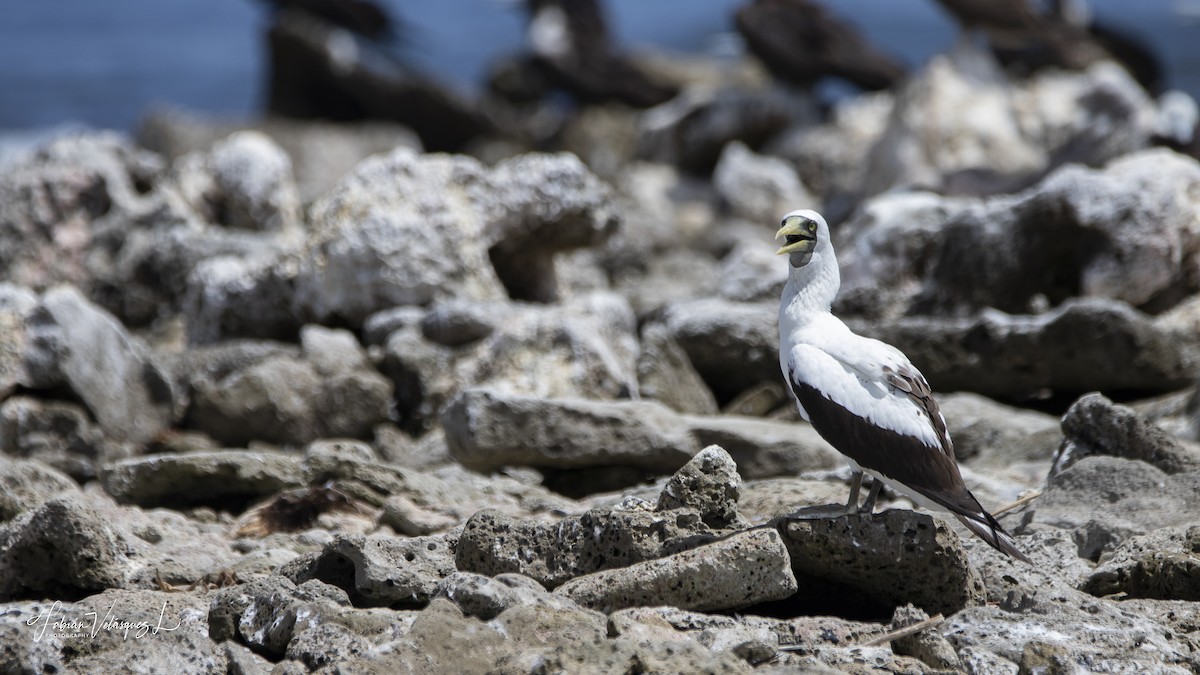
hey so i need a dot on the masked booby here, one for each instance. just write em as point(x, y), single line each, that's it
point(863, 396)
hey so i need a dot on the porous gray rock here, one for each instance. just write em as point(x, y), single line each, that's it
point(24, 484)
point(623, 655)
point(492, 543)
point(209, 478)
point(758, 188)
point(113, 373)
point(1094, 425)
point(1105, 500)
point(744, 569)
point(764, 448)
point(485, 597)
point(709, 484)
point(928, 645)
point(243, 181)
point(61, 549)
point(380, 571)
point(263, 614)
point(865, 556)
point(1161, 565)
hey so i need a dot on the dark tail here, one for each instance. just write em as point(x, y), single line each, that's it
point(988, 529)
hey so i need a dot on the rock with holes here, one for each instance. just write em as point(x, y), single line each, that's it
point(745, 569)
point(928, 645)
point(465, 230)
point(709, 484)
point(55, 203)
point(867, 557)
point(1094, 425)
point(1161, 565)
point(262, 614)
point(61, 549)
point(380, 571)
point(493, 543)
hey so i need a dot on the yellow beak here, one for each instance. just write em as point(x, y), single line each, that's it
point(798, 237)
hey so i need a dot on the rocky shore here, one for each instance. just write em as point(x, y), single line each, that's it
point(299, 398)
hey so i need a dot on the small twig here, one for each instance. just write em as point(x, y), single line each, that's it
point(904, 632)
point(1017, 504)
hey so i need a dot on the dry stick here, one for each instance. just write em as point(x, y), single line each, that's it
point(904, 632)
point(1019, 503)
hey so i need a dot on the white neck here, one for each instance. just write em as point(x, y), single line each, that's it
point(812, 287)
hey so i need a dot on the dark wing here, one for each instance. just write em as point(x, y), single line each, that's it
point(913, 384)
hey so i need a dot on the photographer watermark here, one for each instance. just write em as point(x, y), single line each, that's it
point(90, 624)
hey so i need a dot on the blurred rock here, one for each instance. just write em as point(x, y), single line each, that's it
point(743, 570)
point(1083, 345)
point(215, 479)
point(61, 549)
point(288, 400)
point(243, 182)
point(758, 188)
point(17, 304)
point(55, 205)
point(751, 272)
point(1094, 425)
point(58, 434)
point(863, 556)
point(1105, 500)
point(321, 152)
point(692, 129)
point(1161, 565)
point(119, 380)
point(26, 484)
point(665, 374)
point(485, 597)
point(993, 436)
point(734, 346)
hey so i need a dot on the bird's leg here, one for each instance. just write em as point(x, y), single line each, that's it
point(855, 484)
point(869, 505)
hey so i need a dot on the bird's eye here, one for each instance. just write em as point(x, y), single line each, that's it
point(812, 226)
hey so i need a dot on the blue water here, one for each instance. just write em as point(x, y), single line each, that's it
point(103, 62)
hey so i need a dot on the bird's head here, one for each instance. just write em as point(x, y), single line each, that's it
point(801, 230)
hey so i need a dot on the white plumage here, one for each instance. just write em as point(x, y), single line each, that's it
point(864, 396)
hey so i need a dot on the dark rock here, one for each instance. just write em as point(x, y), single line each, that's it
point(708, 484)
point(734, 346)
point(864, 556)
point(218, 478)
point(1094, 425)
point(691, 130)
point(745, 569)
point(1161, 565)
point(492, 543)
point(61, 549)
point(454, 324)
